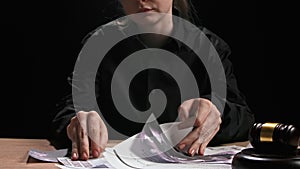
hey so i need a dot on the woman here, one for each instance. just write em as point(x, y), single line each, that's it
point(211, 124)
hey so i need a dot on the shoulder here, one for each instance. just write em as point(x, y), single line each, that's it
point(220, 44)
point(199, 33)
point(116, 26)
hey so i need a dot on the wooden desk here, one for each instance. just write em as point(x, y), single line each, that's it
point(14, 152)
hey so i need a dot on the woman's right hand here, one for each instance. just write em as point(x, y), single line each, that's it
point(87, 131)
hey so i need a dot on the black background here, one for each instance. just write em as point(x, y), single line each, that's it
point(41, 41)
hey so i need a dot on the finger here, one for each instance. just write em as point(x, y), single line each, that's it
point(194, 148)
point(83, 136)
point(193, 140)
point(94, 133)
point(83, 143)
point(199, 145)
point(74, 155)
point(208, 130)
point(72, 134)
point(104, 136)
point(210, 126)
point(189, 139)
point(204, 145)
point(197, 137)
point(202, 134)
point(99, 145)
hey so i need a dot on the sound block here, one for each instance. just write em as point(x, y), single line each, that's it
point(253, 159)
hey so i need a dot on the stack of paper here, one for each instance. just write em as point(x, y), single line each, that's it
point(153, 148)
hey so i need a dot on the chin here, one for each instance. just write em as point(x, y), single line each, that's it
point(146, 18)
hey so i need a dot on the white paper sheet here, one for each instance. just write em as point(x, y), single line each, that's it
point(90, 163)
point(48, 156)
point(189, 166)
point(149, 148)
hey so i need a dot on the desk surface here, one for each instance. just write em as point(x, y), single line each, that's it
point(14, 152)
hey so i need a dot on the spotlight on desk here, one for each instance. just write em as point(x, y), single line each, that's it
point(275, 146)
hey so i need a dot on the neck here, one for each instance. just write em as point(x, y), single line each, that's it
point(164, 26)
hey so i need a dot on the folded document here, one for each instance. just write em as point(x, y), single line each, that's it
point(154, 146)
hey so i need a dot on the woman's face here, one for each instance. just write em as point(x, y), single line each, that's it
point(147, 6)
point(149, 10)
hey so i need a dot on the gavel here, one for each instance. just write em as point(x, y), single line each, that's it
point(275, 138)
point(275, 146)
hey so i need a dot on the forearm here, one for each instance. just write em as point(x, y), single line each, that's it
point(58, 136)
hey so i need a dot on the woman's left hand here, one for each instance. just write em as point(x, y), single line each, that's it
point(203, 115)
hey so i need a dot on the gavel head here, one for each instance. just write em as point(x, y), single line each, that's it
point(274, 138)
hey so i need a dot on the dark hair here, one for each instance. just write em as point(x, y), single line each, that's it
point(186, 10)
